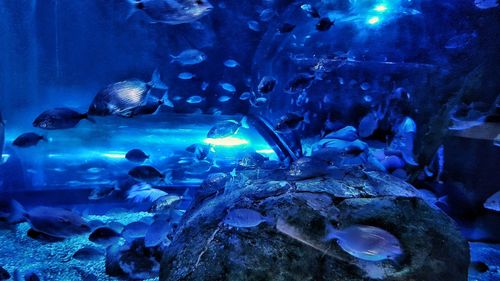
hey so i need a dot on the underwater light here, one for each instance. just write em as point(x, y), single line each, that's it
point(4, 158)
point(380, 8)
point(265, 151)
point(114, 155)
point(373, 20)
point(229, 141)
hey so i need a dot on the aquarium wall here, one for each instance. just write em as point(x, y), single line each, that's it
point(248, 140)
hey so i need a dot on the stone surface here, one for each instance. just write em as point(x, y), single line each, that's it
point(291, 245)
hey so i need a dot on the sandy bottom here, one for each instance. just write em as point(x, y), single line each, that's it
point(53, 261)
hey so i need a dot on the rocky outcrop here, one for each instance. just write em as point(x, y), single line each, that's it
point(290, 244)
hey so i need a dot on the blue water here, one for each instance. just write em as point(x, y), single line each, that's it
point(379, 64)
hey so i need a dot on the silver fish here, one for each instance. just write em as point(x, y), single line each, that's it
point(244, 218)
point(366, 242)
point(172, 12)
point(189, 57)
point(226, 128)
point(123, 97)
point(135, 229)
point(194, 99)
point(231, 63)
point(56, 222)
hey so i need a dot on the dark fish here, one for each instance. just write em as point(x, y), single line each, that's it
point(286, 27)
point(122, 98)
point(252, 160)
point(267, 84)
point(104, 236)
point(136, 155)
point(215, 180)
point(59, 118)
point(146, 174)
point(172, 12)
point(288, 122)
point(27, 140)
point(200, 151)
point(101, 192)
point(366, 242)
point(88, 253)
point(4, 274)
point(55, 222)
point(189, 57)
point(226, 128)
point(31, 276)
point(144, 192)
point(42, 237)
point(299, 83)
point(324, 24)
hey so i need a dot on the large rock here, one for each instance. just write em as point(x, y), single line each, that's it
point(204, 248)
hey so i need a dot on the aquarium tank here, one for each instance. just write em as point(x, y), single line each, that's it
point(250, 140)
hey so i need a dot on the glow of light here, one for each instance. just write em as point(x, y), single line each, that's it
point(265, 151)
point(373, 20)
point(380, 8)
point(114, 155)
point(4, 158)
point(229, 141)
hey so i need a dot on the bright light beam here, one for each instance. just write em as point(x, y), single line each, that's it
point(380, 8)
point(229, 141)
point(373, 20)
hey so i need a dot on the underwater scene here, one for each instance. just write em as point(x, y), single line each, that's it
point(250, 140)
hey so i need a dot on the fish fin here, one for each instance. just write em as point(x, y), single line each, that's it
point(331, 232)
point(133, 8)
point(244, 122)
point(18, 212)
point(166, 101)
point(156, 81)
point(174, 59)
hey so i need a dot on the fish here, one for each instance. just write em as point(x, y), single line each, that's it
point(172, 12)
point(246, 96)
point(101, 192)
point(324, 24)
point(200, 151)
point(88, 253)
point(266, 15)
point(252, 160)
point(243, 218)
point(286, 27)
point(157, 233)
point(493, 202)
point(121, 98)
point(164, 202)
point(299, 83)
point(348, 133)
point(368, 124)
point(28, 140)
point(144, 192)
point(204, 85)
point(253, 25)
point(185, 75)
point(2, 137)
point(231, 63)
point(195, 99)
point(189, 57)
point(198, 167)
point(147, 174)
point(267, 84)
point(258, 102)
point(310, 10)
point(104, 236)
point(54, 222)
point(60, 118)
point(365, 86)
point(288, 122)
point(136, 155)
point(486, 4)
point(151, 106)
point(227, 87)
point(366, 242)
point(227, 128)
point(134, 230)
point(460, 41)
point(223, 98)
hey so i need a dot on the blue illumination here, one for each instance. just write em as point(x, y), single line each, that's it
point(114, 155)
point(373, 20)
point(265, 151)
point(380, 8)
point(229, 141)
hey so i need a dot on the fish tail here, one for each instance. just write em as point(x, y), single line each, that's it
point(174, 59)
point(244, 122)
point(165, 100)
point(87, 117)
point(133, 8)
point(18, 212)
point(331, 232)
point(156, 81)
